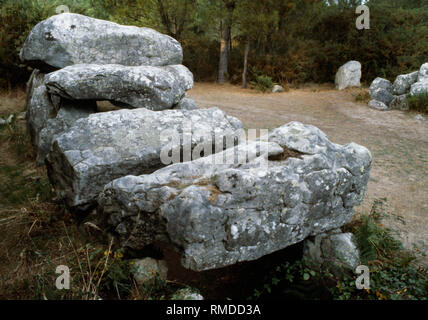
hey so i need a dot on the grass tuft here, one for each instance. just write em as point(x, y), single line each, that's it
point(419, 102)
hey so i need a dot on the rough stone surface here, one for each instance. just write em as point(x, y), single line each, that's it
point(419, 87)
point(145, 270)
point(186, 104)
point(380, 83)
point(106, 146)
point(39, 107)
point(381, 90)
point(400, 103)
point(403, 82)
point(217, 214)
point(334, 249)
point(69, 38)
point(378, 105)
point(154, 88)
point(68, 113)
point(187, 294)
point(382, 95)
point(277, 88)
point(423, 73)
point(348, 75)
point(49, 115)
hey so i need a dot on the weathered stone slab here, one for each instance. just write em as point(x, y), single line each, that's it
point(154, 88)
point(378, 105)
point(419, 87)
point(39, 107)
point(48, 115)
point(381, 90)
point(68, 38)
point(334, 250)
point(423, 73)
point(403, 82)
point(106, 146)
point(216, 213)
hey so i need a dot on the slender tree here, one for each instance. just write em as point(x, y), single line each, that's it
point(225, 27)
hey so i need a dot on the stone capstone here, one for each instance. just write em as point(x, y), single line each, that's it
point(217, 213)
point(154, 88)
point(68, 38)
point(106, 146)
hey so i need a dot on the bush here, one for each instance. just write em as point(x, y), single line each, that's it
point(392, 274)
point(419, 102)
point(263, 83)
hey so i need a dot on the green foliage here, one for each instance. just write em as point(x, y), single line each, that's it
point(374, 240)
point(392, 274)
point(263, 83)
point(19, 187)
point(419, 102)
point(118, 276)
point(292, 41)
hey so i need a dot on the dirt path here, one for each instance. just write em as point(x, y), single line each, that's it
point(398, 143)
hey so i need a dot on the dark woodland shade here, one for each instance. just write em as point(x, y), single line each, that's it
point(290, 40)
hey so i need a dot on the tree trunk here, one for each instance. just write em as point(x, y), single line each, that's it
point(224, 54)
point(225, 41)
point(244, 73)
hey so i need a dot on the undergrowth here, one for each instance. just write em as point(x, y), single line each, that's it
point(419, 102)
point(392, 273)
point(263, 83)
point(362, 96)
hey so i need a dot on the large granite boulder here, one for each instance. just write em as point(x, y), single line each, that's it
point(400, 103)
point(423, 73)
point(348, 75)
point(68, 38)
point(154, 88)
point(381, 90)
point(216, 213)
point(403, 83)
point(419, 87)
point(106, 146)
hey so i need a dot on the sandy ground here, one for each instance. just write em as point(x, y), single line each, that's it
point(397, 141)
